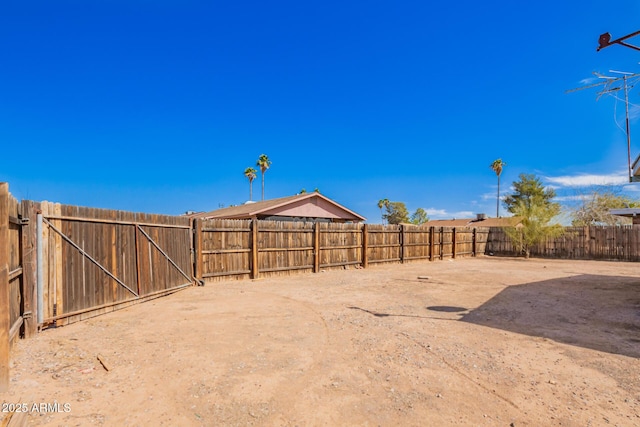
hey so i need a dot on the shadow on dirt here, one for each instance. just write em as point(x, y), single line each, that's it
point(377, 314)
point(446, 308)
point(591, 311)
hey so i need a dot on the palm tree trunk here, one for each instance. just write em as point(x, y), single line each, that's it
point(250, 190)
point(498, 200)
point(262, 185)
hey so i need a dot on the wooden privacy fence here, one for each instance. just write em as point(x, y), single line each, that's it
point(249, 248)
point(615, 243)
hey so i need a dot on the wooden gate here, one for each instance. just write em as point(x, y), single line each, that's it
point(97, 260)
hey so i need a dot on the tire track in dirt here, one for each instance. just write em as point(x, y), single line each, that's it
point(458, 371)
point(449, 365)
point(314, 371)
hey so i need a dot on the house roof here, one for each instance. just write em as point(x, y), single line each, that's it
point(636, 169)
point(628, 212)
point(474, 222)
point(447, 222)
point(308, 205)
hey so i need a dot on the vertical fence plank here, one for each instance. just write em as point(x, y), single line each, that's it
point(59, 290)
point(4, 287)
point(29, 267)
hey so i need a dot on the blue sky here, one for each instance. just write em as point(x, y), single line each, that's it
point(159, 106)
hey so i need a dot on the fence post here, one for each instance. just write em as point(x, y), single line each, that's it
point(402, 236)
point(473, 242)
point(198, 257)
point(316, 247)
point(441, 243)
point(432, 231)
point(254, 249)
point(4, 287)
point(453, 243)
point(365, 245)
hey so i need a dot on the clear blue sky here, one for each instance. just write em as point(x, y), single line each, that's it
point(159, 106)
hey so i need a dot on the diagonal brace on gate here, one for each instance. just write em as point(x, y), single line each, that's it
point(163, 253)
point(84, 253)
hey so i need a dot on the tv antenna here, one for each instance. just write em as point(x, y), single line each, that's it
point(611, 85)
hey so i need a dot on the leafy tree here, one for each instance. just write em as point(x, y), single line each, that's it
point(534, 205)
point(263, 163)
point(593, 208)
point(535, 225)
point(383, 203)
point(497, 166)
point(397, 213)
point(527, 191)
point(250, 173)
point(419, 217)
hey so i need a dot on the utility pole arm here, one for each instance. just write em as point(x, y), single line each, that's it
point(605, 41)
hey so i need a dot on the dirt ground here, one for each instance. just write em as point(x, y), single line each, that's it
point(479, 341)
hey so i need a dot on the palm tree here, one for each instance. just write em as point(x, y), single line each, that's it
point(497, 166)
point(383, 203)
point(263, 163)
point(250, 173)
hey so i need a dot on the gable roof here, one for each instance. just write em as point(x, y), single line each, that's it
point(308, 205)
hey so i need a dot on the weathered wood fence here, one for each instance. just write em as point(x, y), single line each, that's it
point(248, 249)
point(60, 264)
point(97, 260)
point(614, 243)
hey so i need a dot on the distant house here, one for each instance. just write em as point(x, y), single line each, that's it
point(636, 171)
point(633, 213)
point(302, 207)
point(480, 221)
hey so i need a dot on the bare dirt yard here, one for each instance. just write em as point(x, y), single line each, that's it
point(480, 341)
